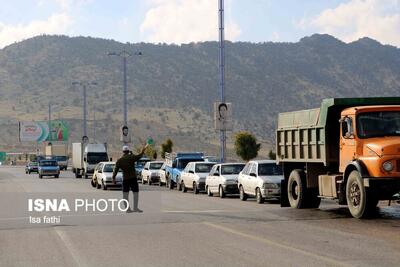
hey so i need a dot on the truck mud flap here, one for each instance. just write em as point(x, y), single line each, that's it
point(284, 194)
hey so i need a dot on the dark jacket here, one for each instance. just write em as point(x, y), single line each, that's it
point(127, 164)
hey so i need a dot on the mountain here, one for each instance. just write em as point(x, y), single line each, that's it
point(171, 88)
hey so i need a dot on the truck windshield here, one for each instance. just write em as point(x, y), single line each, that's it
point(232, 169)
point(378, 124)
point(94, 158)
point(269, 169)
point(141, 162)
point(183, 162)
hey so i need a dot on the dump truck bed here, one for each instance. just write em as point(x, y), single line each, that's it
point(312, 135)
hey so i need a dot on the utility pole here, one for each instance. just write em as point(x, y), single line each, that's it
point(94, 124)
point(222, 71)
point(84, 85)
point(49, 119)
point(124, 55)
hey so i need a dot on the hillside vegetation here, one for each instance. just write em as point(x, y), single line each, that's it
point(172, 88)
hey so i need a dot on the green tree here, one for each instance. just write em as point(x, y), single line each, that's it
point(166, 147)
point(246, 145)
point(271, 154)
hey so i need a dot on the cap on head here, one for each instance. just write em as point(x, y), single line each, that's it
point(125, 148)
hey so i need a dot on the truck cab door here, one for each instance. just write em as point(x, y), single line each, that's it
point(347, 142)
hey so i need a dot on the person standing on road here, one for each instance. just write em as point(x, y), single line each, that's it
point(127, 164)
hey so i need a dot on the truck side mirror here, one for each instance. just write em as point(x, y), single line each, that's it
point(110, 159)
point(84, 159)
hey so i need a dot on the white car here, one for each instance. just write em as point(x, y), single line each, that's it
point(223, 179)
point(150, 172)
point(260, 179)
point(102, 176)
point(194, 176)
point(161, 173)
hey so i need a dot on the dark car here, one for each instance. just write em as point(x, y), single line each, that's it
point(48, 167)
point(31, 167)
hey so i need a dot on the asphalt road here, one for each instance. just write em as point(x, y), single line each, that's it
point(178, 229)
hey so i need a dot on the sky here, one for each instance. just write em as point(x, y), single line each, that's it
point(185, 21)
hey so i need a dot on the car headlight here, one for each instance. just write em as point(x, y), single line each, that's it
point(270, 186)
point(387, 166)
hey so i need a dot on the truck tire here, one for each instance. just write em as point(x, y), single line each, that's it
point(170, 183)
point(78, 173)
point(178, 184)
point(360, 201)
point(297, 189)
point(184, 189)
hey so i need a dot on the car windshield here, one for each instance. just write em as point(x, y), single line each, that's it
point(61, 158)
point(94, 158)
point(155, 166)
point(48, 163)
point(203, 167)
point(269, 169)
point(378, 124)
point(109, 168)
point(231, 169)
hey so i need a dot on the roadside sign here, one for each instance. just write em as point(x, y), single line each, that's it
point(150, 141)
point(223, 116)
point(41, 131)
point(85, 139)
point(125, 136)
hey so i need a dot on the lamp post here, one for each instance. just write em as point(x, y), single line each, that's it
point(124, 55)
point(222, 70)
point(84, 85)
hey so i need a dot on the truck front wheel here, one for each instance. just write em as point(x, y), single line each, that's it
point(361, 203)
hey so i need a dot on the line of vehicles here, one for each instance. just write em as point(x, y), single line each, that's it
point(197, 173)
point(348, 150)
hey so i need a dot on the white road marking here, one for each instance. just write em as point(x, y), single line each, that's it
point(70, 247)
point(276, 244)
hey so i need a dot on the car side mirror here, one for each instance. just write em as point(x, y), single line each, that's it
point(253, 174)
point(110, 159)
point(191, 172)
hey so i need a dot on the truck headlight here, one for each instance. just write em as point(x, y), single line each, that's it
point(270, 186)
point(387, 166)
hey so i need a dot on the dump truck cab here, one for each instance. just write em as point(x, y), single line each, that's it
point(348, 149)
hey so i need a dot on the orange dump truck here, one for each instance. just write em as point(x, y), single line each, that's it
point(348, 149)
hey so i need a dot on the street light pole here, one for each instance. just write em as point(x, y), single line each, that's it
point(84, 85)
point(125, 93)
point(222, 70)
point(124, 55)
